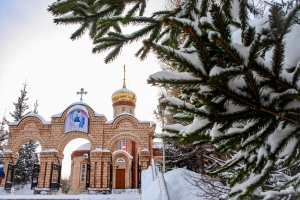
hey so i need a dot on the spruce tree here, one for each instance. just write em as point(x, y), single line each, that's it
point(28, 151)
point(21, 106)
point(3, 137)
point(239, 79)
point(35, 107)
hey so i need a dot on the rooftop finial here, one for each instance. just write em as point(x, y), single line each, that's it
point(81, 93)
point(124, 84)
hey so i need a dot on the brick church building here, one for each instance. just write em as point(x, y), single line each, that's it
point(116, 153)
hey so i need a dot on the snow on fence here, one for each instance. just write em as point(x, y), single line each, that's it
point(161, 180)
point(154, 173)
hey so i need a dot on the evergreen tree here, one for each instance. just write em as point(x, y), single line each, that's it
point(27, 152)
point(3, 137)
point(21, 105)
point(27, 158)
point(239, 79)
point(35, 107)
point(198, 158)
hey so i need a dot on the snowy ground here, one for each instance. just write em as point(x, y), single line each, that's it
point(178, 189)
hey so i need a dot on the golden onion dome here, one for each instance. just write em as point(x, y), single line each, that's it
point(123, 95)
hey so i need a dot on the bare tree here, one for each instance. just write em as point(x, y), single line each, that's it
point(172, 3)
point(65, 184)
point(207, 187)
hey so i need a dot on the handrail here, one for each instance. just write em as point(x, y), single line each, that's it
point(161, 181)
point(154, 173)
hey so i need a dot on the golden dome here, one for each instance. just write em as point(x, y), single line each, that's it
point(123, 95)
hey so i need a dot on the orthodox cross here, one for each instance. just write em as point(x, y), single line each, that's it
point(81, 93)
point(124, 84)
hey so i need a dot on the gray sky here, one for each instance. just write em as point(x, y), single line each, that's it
point(33, 48)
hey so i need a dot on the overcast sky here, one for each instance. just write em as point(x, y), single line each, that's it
point(33, 48)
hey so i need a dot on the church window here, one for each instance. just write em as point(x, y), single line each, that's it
point(123, 109)
point(122, 145)
point(120, 160)
point(130, 110)
point(159, 166)
point(83, 172)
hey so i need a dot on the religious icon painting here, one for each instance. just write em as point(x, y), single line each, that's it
point(77, 120)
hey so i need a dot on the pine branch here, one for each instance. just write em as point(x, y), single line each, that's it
point(220, 23)
point(243, 14)
point(232, 52)
point(62, 7)
point(204, 8)
point(178, 58)
point(79, 32)
point(133, 10)
point(142, 7)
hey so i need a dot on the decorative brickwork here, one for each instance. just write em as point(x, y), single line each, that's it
point(124, 136)
point(104, 153)
point(66, 138)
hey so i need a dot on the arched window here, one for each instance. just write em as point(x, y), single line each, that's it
point(122, 145)
point(123, 109)
point(120, 160)
point(83, 170)
point(159, 166)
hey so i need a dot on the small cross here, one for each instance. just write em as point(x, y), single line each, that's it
point(81, 93)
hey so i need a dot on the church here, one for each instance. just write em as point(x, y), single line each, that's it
point(117, 151)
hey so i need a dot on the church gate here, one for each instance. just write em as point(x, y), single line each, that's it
point(53, 136)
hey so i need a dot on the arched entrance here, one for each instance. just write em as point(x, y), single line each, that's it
point(21, 160)
point(122, 173)
point(78, 120)
point(75, 166)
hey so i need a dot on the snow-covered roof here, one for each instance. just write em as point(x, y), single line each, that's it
point(100, 150)
point(152, 123)
point(86, 146)
point(117, 151)
point(31, 115)
point(157, 145)
point(49, 150)
point(99, 115)
point(145, 150)
point(123, 90)
point(80, 107)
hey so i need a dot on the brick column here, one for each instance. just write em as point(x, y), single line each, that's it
point(144, 159)
point(46, 159)
point(106, 169)
point(8, 158)
point(95, 163)
point(99, 178)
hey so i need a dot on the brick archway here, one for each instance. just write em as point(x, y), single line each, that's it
point(31, 119)
point(18, 142)
point(121, 136)
point(67, 137)
point(122, 170)
point(102, 135)
point(125, 118)
point(121, 153)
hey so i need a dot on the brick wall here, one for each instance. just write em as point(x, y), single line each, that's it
point(100, 135)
